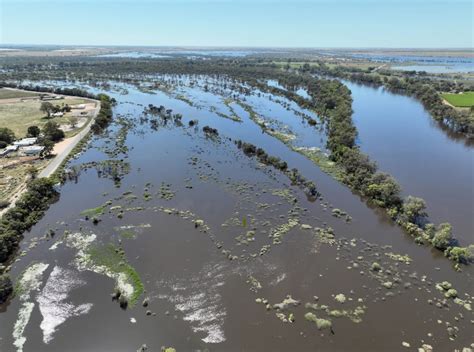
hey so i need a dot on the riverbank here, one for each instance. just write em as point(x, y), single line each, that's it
point(347, 164)
point(29, 206)
point(61, 151)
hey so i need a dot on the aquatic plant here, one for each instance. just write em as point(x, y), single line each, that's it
point(320, 323)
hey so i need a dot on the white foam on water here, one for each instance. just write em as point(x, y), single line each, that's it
point(24, 315)
point(52, 305)
point(278, 279)
point(30, 281)
point(200, 302)
point(83, 262)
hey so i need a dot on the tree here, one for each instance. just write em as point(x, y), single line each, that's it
point(47, 108)
point(48, 147)
point(32, 171)
point(6, 287)
point(463, 255)
point(7, 135)
point(414, 209)
point(73, 120)
point(51, 131)
point(384, 190)
point(33, 131)
point(443, 236)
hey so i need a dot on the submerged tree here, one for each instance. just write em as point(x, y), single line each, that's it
point(414, 209)
point(6, 287)
point(443, 236)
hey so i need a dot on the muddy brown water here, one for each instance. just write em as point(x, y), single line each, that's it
point(203, 300)
point(400, 135)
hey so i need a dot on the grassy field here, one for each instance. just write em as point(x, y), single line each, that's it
point(19, 116)
point(464, 100)
point(9, 94)
point(13, 178)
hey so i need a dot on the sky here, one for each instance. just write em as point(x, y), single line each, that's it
point(243, 23)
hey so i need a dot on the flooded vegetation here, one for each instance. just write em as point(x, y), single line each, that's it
point(232, 209)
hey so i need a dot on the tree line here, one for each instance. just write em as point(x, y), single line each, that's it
point(32, 205)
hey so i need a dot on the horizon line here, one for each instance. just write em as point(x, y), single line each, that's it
point(175, 46)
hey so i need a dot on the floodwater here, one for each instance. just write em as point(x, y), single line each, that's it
point(432, 64)
point(205, 280)
point(400, 135)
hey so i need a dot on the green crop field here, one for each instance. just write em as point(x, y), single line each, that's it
point(464, 100)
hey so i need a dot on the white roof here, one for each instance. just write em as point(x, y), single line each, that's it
point(26, 141)
point(32, 149)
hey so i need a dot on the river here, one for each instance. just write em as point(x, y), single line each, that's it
point(201, 224)
point(400, 135)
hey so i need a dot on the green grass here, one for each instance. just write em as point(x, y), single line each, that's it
point(11, 94)
point(18, 116)
point(114, 260)
point(463, 100)
point(94, 211)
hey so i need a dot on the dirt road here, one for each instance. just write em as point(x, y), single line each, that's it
point(62, 149)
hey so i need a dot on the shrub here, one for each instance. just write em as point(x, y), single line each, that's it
point(6, 287)
point(33, 131)
point(52, 131)
point(414, 209)
point(7, 135)
point(443, 236)
point(462, 255)
point(26, 212)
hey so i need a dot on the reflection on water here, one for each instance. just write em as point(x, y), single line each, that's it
point(400, 135)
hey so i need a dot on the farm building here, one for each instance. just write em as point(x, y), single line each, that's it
point(25, 141)
point(8, 150)
point(51, 97)
point(32, 150)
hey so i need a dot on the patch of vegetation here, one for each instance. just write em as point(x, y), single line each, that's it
point(210, 131)
point(94, 211)
point(461, 100)
point(13, 93)
point(104, 117)
point(6, 287)
point(320, 323)
point(112, 259)
point(294, 175)
point(28, 210)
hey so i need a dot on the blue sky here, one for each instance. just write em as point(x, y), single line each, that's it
point(279, 23)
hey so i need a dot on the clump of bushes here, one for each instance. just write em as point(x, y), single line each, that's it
point(104, 117)
point(26, 212)
point(6, 288)
point(294, 175)
point(6, 136)
point(210, 131)
point(332, 101)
